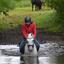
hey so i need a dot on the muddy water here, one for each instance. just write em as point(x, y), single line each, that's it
point(49, 53)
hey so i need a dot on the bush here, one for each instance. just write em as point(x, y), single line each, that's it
point(58, 5)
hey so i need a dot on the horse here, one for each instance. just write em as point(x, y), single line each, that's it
point(37, 4)
point(30, 50)
point(30, 47)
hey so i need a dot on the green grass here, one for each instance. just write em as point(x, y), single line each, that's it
point(23, 4)
point(42, 18)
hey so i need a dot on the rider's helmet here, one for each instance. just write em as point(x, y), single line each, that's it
point(27, 20)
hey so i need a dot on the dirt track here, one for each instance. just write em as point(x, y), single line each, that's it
point(14, 36)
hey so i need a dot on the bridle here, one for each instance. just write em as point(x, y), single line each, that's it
point(32, 46)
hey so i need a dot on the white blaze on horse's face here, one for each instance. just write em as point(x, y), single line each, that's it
point(30, 39)
point(30, 42)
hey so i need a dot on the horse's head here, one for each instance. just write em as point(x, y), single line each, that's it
point(30, 42)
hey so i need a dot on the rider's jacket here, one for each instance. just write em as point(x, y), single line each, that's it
point(26, 29)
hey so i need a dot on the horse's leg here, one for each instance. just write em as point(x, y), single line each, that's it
point(35, 7)
point(39, 5)
point(32, 6)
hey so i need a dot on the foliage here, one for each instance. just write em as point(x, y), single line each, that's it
point(17, 0)
point(2, 25)
point(7, 4)
point(42, 18)
point(58, 5)
point(47, 19)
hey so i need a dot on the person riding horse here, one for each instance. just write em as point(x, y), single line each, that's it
point(28, 27)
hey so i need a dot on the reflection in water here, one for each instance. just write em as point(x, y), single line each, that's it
point(60, 59)
point(47, 60)
point(30, 59)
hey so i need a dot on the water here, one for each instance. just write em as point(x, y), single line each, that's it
point(49, 53)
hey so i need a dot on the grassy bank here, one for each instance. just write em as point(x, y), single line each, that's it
point(42, 18)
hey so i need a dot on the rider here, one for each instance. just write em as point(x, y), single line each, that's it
point(28, 27)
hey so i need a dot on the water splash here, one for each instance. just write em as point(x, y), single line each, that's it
point(9, 60)
point(51, 49)
point(47, 49)
point(9, 54)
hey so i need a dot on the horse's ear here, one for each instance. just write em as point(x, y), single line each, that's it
point(31, 34)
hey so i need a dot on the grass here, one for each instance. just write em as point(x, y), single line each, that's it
point(23, 4)
point(42, 18)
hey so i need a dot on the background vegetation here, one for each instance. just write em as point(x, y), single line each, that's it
point(49, 19)
point(58, 5)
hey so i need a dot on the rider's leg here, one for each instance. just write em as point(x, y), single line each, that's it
point(37, 42)
point(22, 42)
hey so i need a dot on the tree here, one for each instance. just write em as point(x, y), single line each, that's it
point(58, 5)
point(7, 4)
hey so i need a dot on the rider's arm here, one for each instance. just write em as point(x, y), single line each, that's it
point(24, 31)
point(34, 30)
